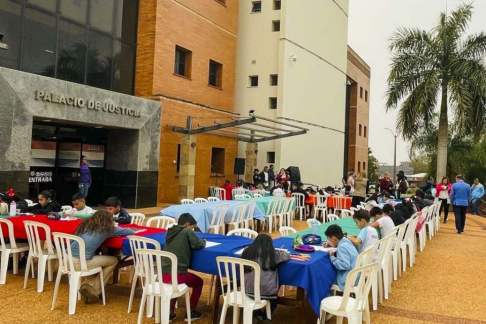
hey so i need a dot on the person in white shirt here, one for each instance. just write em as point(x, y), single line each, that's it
point(367, 236)
point(265, 178)
point(80, 207)
point(382, 221)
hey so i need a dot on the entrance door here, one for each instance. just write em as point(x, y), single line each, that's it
point(56, 157)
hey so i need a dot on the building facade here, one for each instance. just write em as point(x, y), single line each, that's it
point(186, 58)
point(291, 66)
point(358, 106)
point(66, 89)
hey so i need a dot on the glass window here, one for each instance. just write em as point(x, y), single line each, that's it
point(183, 60)
point(276, 25)
point(254, 81)
point(277, 4)
point(11, 28)
point(102, 15)
point(256, 6)
point(71, 62)
point(215, 73)
point(217, 160)
point(39, 53)
point(126, 13)
point(124, 63)
point(273, 103)
point(361, 92)
point(75, 10)
point(359, 129)
point(273, 79)
point(100, 60)
point(45, 4)
point(270, 157)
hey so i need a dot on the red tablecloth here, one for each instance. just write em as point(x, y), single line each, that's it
point(69, 227)
point(330, 201)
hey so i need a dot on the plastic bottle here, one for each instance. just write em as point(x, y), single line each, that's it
point(315, 227)
point(13, 208)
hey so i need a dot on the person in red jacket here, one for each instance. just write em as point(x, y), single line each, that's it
point(227, 187)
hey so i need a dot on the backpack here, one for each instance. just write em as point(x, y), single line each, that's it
point(403, 187)
point(4, 208)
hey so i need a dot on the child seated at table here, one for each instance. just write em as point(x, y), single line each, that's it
point(113, 206)
point(344, 258)
point(94, 231)
point(181, 240)
point(263, 252)
point(381, 221)
point(367, 236)
point(395, 215)
point(80, 207)
point(47, 203)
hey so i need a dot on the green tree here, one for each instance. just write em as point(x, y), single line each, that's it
point(373, 173)
point(441, 63)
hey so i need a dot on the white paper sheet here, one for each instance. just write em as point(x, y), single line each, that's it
point(323, 249)
point(211, 244)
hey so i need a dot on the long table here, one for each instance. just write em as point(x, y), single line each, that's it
point(263, 202)
point(331, 201)
point(203, 213)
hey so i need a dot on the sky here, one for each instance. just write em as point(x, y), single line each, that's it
point(371, 24)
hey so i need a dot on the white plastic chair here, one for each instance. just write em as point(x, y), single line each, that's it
point(271, 213)
point(429, 221)
point(238, 197)
point(238, 218)
point(137, 218)
point(36, 250)
point(139, 243)
point(299, 203)
point(257, 195)
point(219, 193)
point(410, 242)
point(422, 234)
point(251, 234)
point(217, 221)
point(237, 191)
point(287, 230)
point(351, 307)
point(200, 200)
point(234, 294)
point(311, 220)
point(321, 206)
point(360, 207)
point(339, 203)
point(187, 202)
point(150, 267)
point(249, 211)
point(162, 222)
point(346, 213)
point(386, 262)
point(437, 216)
point(10, 249)
point(332, 217)
point(66, 267)
point(66, 208)
point(363, 204)
point(396, 256)
point(278, 194)
point(212, 199)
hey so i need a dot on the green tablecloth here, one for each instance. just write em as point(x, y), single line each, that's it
point(263, 202)
point(347, 224)
point(249, 192)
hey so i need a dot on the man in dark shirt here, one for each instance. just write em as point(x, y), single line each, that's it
point(256, 178)
point(271, 176)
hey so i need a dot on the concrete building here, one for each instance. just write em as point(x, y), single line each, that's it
point(186, 57)
point(357, 110)
point(291, 66)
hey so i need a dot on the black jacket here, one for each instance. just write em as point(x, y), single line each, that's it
point(37, 209)
point(123, 217)
point(302, 191)
point(257, 179)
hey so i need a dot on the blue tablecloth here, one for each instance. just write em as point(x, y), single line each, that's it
point(315, 276)
point(203, 213)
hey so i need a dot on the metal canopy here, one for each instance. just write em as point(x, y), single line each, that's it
point(262, 129)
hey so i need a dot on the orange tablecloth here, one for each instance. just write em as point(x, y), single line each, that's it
point(330, 201)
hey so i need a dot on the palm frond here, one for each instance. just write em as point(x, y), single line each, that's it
point(474, 47)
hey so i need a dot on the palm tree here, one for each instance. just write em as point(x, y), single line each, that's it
point(441, 63)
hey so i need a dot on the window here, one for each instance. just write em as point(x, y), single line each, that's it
point(273, 79)
point(75, 10)
point(366, 95)
point(364, 131)
point(277, 4)
point(359, 166)
point(254, 81)
point(183, 59)
point(361, 92)
point(71, 52)
point(273, 103)
point(359, 129)
point(178, 160)
point(217, 160)
point(256, 6)
point(364, 166)
point(215, 74)
point(276, 25)
point(270, 157)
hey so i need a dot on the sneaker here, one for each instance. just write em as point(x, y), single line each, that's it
point(195, 315)
point(88, 295)
point(172, 317)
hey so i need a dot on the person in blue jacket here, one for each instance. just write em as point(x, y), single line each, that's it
point(344, 258)
point(84, 179)
point(460, 197)
point(477, 192)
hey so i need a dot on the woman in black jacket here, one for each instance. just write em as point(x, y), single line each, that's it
point(47, 203)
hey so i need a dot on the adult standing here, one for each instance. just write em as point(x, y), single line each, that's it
point(271, 175)
point(361, 184)
point(84, 179)
point(351, 182)
point(460, 197)
point(283, 179)
point(443, 192)
point(256, 178)
point(386, 184)
point(402, 184)
point(477, 192)
point(265, 178)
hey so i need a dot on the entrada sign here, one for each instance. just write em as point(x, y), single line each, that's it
point(83, 103)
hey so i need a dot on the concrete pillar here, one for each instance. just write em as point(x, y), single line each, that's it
point(251, 161)
point(187, 169)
